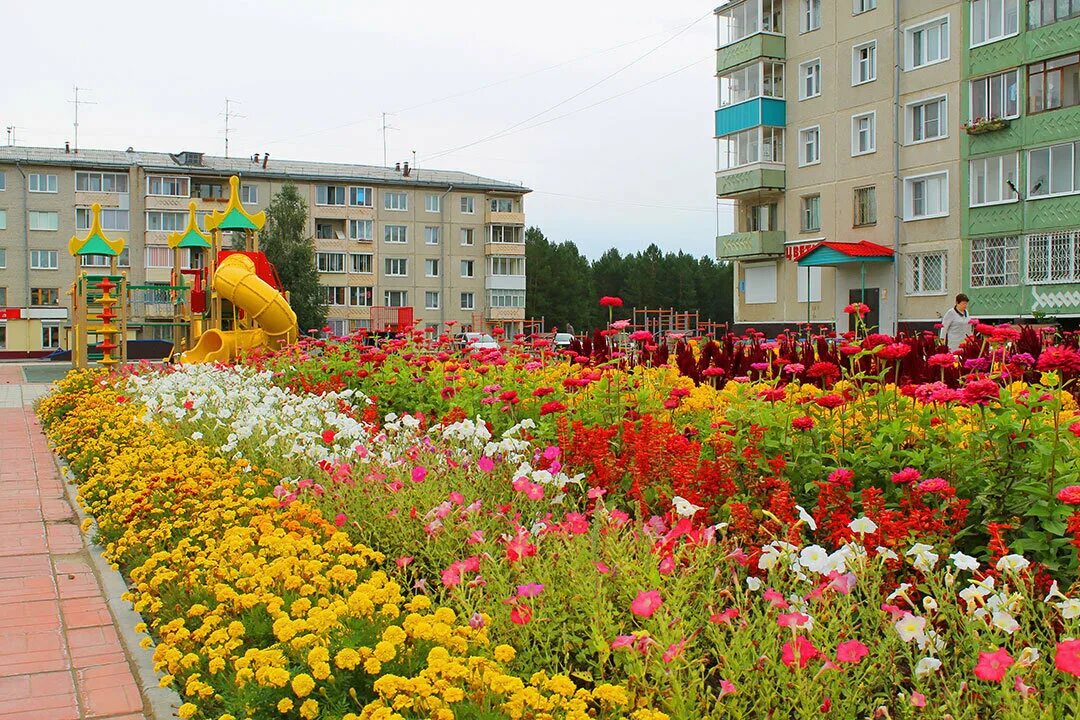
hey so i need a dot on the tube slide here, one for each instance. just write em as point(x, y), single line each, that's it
point(236, 281)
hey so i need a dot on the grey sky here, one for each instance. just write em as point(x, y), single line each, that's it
point(313, 78)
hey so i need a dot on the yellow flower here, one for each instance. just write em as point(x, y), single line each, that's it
point(347, 659)
point(505, 653)
point(372, 666)
point(309, 710)
point(186, 710)
point(284, 705)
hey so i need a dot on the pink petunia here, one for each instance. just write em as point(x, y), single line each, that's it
point(340, 519)
point(918, 699)
point(727, 688)
point(646, 603)
point(795, 620)
point(486, 464)
point(798, 651)
point(673, 651)
point(993, 666)
point(1067, 657)
point(530, 590)
point(602, 568)
point(851, 651)
point(623, 641)
point(775, 599)
point(419, 474)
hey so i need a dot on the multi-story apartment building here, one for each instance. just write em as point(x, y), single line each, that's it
point(450, 245)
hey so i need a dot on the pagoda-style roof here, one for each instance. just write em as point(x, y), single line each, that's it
point(234, 216)
point(192, 237)
point(95, 242)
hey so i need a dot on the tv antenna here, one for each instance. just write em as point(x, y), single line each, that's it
point(385, 127)
point(229, 114)
point(77, 102)
point(10, 135)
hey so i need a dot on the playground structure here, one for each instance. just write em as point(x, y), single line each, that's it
point(92, 300)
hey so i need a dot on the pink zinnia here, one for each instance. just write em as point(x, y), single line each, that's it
point(905, 476)
point(851, 651)
point(800, 650)
point(1067, 657)
point(993, 666)
point(1069, 495)
point(933, 485)
point(646, 603)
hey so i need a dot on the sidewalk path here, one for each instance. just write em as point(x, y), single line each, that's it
point(60, 653)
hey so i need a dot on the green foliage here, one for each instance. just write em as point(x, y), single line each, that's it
point(287, 245)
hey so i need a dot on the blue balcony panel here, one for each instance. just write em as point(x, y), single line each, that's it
point(750, 113)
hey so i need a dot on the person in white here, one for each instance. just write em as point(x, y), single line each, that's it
point(955, 325)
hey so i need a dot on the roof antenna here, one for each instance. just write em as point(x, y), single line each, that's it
point(385, 127)
point(77, 102)
point(228, 116)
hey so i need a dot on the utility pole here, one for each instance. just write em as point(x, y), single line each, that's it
point(385, 127)
point(77, 102)
point(228, 116)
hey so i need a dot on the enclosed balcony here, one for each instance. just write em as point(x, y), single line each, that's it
point(750, 161)
point(758, 233)
point(747, 30)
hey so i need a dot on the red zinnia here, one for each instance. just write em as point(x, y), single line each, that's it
point(802, 423)
point(611, 301)
point(553, 406)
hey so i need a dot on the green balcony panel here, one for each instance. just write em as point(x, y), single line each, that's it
point(1052, 126)
point(1053, 213)
point(735, 183)
point(750, 245)
point(1060, 38)
point(747, 49)
point(995, 219)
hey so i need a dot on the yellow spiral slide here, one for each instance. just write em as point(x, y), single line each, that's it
point(236, 281)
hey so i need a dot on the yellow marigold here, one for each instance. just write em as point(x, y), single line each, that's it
point(347, 659)
point(186, 710)
point(284, 705)
point(646, 714)
point(611, 694)
point(372, 666)
point(561, 685)
point(302, 685)
point(320, 671)
point(309, 710)
point(384, 651)
point(227, 716)
point(453, 694)
point(505, 653)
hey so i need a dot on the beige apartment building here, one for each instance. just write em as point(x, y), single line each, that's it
point(838, 142)
point(449, 245)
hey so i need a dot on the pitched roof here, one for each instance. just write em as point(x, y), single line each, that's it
point(828, 252)
point(862, 248)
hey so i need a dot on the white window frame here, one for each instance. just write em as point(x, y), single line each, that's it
point(471, 297)
point(396, 263)
point(471, 267)
point(759, 271)
point(1009, 245)
point(431, 264)
point(432, 238)
point(1015, 72)
point(369, 196)
point(175, 180)
point(920, 260)
point(858, 7)
point(943, 119)
point(109, 216)
point(1004, 14)
point(804, 75)
point(428, 304)
point(909, 201)
point(809, 20)
point(52, 259)
point(356, 262)
point(3, 219)
point(431, 202)
point(362, 223)
point(401, 301)
point(805, 213)
point(333, 293)
point(803, 162)
point(404, 234)
point(468, 204)
point(470, 234)
point(33, 180)
point(356, 293)
point(1008, 196)
point(909, 42)
point(1044, 191)
point(3, 262)
point(249, 194)
point(395, 200)
point(324, 264)
point(1069, 249)
point(101, 182)
point(326, 201)
point(857, 63)
point(855, 151)
point(40, 214)
point(3, 181)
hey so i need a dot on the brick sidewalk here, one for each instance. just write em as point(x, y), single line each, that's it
point(60, 654)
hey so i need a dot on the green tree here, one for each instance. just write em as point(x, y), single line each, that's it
point(287, 245)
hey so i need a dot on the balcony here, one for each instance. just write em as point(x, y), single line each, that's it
point(493, 217)
point(750, 245)
point(755, 46)
point(504, 248)
point(749, 178)
point(750, 113)
point(504, 282)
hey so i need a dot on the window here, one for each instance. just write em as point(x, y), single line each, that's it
point(506, 298)
point(165, 221)
point(808, 284)
point(864, 133)
point(995, 96)
point(762, 79)
point(337, 326)
point(249, 194)
point(507, 266)
point(101, 182)
point(1045, 12)
point(809, 146)
point(926, 274)
point(468, 204)
point(1054, 170)
point(466, 268)
point(503, 205)
point(431, 300)
point(736, 21)
point(861, 6)
point(44, 220)
point(361, 263)
point(208, 190)
point(168, 186)
point(926, 196)
point(927, 120)
point(44, 260)
point(762, 218)
point(865, 206)
point(94, 261)
point(993, 20)
point(811, 213)
point(124, 260)
point(362, 230)
point(158, 256)
point(44, 296)
point(363, 296)
point(1053, 257)
point(324, 230)
point(329, 194)
point(992, 179)
point(111, 219)
point(39, 183)
point(864, 63)
point(3, 263)
point(50, 336)
point(395, 201)
point(431, 203)
point(396, 267)
point(995, 262)
point(333, 294)
point(759, 144)
point(759, 283)
point(330, 262)
point(431, 267)
point(395, 233)
point(431, 235)
point(396, 298)
point(1054, 84)
point(927, 43)
point(3, 181)
point(3, 219)
point(810, 79)
point(361, 196)
point(507, 234)
point(468, 301)
point(809, 15)
point(466, 236)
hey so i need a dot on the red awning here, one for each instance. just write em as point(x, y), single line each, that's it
point(862, 248)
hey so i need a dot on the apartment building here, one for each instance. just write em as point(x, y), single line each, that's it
point(840, 142)
point(449, 245)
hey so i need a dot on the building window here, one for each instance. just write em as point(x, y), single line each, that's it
point(468, 204)
point(507, 234)
point(468, 301)
point(506, 298)
point(361, 196)
point(865, 206)
point(158, 256)
point(50, 336)
point(762, 218)
point(467, 268)
point(329, 194)
point(249, 194)
point(395, 233)
point(1054, 84)
point(333, 295)
point(809, 15)
point(808, 284)
point(505, 205)
point(927, 120)
point(759, 144)
point(507, 266)
point(165, 221)
point(1053, 257)
point(864, 63)
point(94, 261)
point(1053, 170)
point(168, 186)
point(1045, 12)
point(330, 262)
point(363, 296)
point(396, 267)
point(995, 262)
point(759, 283)
point(396, 298)
point(44, 296)
point(995, 96)
point(809, 146)
point(926, 274)
point(395, 201)
point(362, 230)
point(736, 21)
point(762, 79)
point(993, 20)
point(927, 43)
point(431, 203)
point(101, 182)
point(810, 79)
point(44, 260)
point(324, 230)
point(926, 196)
point(44, 220)
point(864, 133)
point(811, 213)
point(3, 263)
point(431, 300)
point(992, 179)
point(40, 183)
point(431, 267)
point(208, 191)
point(361, 263)
point(111, 219)
point(3, 219)
point(3, 181)
point(431, 235)
point(466, 236)
point(861, 6)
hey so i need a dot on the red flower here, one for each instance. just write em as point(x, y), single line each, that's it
point(646, 603)
point(823, 369)
point(521, 614)
point(905, 476)
point(553, 406)
point(542, 391)
point(894, 351)
point(800, 651)
point(802, 423)
point(1058, 358)
point(328, 436)
point(941, 360)
point(857, 308)
point(641, 335)
point(832, 400)
point(611, 301)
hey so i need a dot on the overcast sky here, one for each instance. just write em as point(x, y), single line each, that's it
point(312, 79)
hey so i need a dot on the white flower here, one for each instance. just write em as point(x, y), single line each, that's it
point(964, 562)
point(886, 554)
point(1069, 607)
point(683, 507)
point(1028, 657)
point(924, 557)
point(769, 558)
point(976, 590)
point(1054, 593)
point(196, 436)
point(929, 604)
point(753, 583)
point(1012, 563)
point(926, 666)
point(806, 518)
point(813, 558)
point(863, 526)
point(899, 592)
point(911, 627)
point(1004, 621)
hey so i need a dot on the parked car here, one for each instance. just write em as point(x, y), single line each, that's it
point(477, 341)
point(562, 340)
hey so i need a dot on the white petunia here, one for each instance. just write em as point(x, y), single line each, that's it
point(813, 558)
point(683, 507)
point(911, 627)
point(926, 666)
point(1069, 607)
point(753, 583)
point(1012, 563)
point(1028, 656)
point(1004, 621)
point(863, 525)
point(923, 557)
point(806, 518)
point(886, 554)
point(964, 562)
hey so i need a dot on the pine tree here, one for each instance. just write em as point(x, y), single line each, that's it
point(287, 245)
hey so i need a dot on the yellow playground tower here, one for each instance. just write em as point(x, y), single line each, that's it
point(93, 299)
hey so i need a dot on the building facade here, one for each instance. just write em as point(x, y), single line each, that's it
point(847, 121)
point(447, 244)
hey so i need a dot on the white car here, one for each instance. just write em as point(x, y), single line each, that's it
point(478, 341)
point(562, 340)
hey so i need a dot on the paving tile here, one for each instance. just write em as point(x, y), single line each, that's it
point(85, 612)
point(64, 538)
point(77, 585)
point(97, 645)
point(14, 566)
point(108, 690)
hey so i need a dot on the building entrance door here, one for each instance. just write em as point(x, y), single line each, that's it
point(870, 297)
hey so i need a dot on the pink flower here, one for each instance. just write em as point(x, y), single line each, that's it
point(795, 620)
point(531, 590)
point(622, 641)
point(641, 335)
point(776, 599)
point(521, 614)
point(602, 568)
point(551, 452)
point(1070, 495)
point(596, 493)
point(486, 464)
point(905, 476)
point(918, 699)
point(667, 565)
point(851, 651)
point(646, 603)
point(800, 651)
point(340, 519)
point(726, 688)
point(993, 666)
point(534, 491)
point(1067, 657)
point(457, 498)
point(1022, 687)
point(674, 650)
point(404, 561)
point(419, 474)
point(933, 485)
